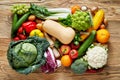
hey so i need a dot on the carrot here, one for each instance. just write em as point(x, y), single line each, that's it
point(84, 36)
point(75, 8)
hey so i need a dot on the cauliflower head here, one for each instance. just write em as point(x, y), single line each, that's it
point(96, 57)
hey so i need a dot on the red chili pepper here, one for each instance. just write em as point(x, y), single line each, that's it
point(91, 71)
point(94, 70)
point(29, 26)
point(99, 70)
point(20, 30)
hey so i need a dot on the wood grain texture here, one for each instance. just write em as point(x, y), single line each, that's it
point(111, 71)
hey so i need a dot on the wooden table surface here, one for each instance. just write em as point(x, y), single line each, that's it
point(111, 71)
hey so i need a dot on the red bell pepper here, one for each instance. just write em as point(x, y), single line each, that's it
point(29, 26)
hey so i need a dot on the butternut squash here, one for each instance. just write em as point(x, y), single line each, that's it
point(64, 34)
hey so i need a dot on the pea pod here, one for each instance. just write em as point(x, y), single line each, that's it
point(87, 43)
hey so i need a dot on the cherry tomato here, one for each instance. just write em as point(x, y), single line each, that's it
point(22, 37)
point(73, 46)
point(73, 54)
point(16, 38)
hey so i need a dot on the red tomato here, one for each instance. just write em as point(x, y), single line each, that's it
point(65, 49)
point(73, 46)
point(73, 54)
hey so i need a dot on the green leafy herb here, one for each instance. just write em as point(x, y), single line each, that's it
point(66, 21)
point(39, 11)
point(45, 13)
point(77, 38)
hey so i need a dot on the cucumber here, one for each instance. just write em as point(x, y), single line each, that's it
point(14, 21)
point(86, 44)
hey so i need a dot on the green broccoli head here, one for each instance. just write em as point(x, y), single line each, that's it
point(81, 20)
point(79, 66)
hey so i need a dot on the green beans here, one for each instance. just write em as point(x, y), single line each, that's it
point(19, 23)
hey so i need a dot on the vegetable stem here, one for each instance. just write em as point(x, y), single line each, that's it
point(59, 10)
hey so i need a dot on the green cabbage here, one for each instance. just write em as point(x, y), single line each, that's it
point(81, 20)
point(25, 56)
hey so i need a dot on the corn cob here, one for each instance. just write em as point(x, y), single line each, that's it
point(97, 19)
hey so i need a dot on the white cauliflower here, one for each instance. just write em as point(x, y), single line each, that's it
point(96, 57)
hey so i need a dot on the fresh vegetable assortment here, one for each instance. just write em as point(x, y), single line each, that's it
point(47, 38)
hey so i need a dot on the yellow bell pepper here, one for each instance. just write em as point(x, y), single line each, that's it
point(36, 32)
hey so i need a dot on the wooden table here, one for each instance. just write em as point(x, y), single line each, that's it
point(111, 71)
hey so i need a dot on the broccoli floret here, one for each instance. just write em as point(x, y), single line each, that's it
point(79, 66)
point(81, 20)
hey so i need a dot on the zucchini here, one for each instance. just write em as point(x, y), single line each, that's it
point(86, 44)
